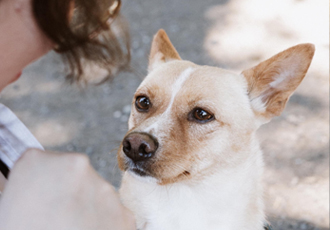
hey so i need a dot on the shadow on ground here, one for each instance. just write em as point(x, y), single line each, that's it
point(290, 224)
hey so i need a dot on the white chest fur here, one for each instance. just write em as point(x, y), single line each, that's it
point(227, 200)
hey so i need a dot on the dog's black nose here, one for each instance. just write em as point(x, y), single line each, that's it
point(139, 146)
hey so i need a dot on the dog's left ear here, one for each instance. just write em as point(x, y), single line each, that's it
point(272, 82)
point(162, 50)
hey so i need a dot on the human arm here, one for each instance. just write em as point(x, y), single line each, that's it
point(54, 191)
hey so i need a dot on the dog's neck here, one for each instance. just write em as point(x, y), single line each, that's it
point(228, 199)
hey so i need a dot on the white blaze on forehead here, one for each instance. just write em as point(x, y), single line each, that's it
point(175, 90)
point(178, 85)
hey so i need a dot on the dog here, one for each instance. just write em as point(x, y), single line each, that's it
point(191, 158)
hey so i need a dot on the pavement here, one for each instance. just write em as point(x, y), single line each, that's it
point(234, 34)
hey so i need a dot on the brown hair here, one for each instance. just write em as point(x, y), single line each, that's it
point(86, 31)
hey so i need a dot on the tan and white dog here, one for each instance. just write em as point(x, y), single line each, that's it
point(191, 157)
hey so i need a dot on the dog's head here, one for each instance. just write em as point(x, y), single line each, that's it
point(189, 120)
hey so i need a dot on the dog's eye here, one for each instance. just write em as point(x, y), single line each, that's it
point(200, 115)
point(142, 104)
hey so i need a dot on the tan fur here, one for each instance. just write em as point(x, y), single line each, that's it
point(173, 158)
point(218, 162)
point(260, 77)
point(162, 50)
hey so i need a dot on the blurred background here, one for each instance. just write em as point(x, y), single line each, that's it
point(232, 34)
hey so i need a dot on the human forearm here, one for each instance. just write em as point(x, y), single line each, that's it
point(55, 191)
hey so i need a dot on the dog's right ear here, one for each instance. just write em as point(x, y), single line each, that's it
point(162, 50)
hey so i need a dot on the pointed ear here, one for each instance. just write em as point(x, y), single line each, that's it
point(162, 50)
point(272, 82)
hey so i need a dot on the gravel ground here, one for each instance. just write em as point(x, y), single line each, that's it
point(231, 34)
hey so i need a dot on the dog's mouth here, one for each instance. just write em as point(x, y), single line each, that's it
point(139, 172)
point(137, 169)
point(143, 171)
point(161, 169)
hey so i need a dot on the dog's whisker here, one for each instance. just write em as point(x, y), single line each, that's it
point(114, 168)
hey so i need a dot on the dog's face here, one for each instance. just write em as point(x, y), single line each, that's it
point(188, 121)
point(195, 115)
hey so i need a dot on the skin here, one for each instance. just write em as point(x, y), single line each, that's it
point(48, 190)
point(54, 191)
point(22, 42)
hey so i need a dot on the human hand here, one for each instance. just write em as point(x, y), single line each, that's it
point(54, 191)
